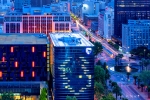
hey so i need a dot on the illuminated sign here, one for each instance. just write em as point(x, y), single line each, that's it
point(88, 51)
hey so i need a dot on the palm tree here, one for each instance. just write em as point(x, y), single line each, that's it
point(142, 86)
point(148, 89)
point(116, 90)
point(135, 78)
point(113, 84)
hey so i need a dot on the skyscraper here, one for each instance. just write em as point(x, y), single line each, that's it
point(129, 9)
point(72, 68)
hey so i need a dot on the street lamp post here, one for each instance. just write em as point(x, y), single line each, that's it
point(128, 69)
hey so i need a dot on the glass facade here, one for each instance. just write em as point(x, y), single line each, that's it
point(23, 62)
point(37, 24)
point(73, 72)
point(129, 9)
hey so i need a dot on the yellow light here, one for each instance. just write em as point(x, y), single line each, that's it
point(80, 76)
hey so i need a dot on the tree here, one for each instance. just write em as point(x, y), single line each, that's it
point(99, 74)
point(99, 89)
point(43, 95)
point(71, 98)
point(120, 56)
point(144, 76)
point(146, 63)
point(7, 96)
point(74, 98)
point(109, 97)
point(97, 48)
point(135, 78)
point(113, 84)
point(68, 98)
point(116, 90)
point(99, 63)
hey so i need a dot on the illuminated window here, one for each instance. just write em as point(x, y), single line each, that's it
point(1, 74)
point(33, 74)
point(22, 74)
point(44, 54)
point(80, 76)
point(3, 59)
point(33, 49)
point(12, 49)
point(16, 64)
point(33, 64)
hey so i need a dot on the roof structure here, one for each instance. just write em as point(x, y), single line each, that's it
point(26, 38)
point(69, 40)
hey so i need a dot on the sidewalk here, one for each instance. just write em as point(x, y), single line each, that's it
point(143, 94)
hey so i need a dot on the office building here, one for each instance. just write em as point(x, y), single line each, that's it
point(72, 66)
point(129, 9)
point(37, 20)
point(24, 63)
point(34, 3)
point(135, 34)
point(106, 23)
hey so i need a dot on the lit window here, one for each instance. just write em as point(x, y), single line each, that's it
point(16, 64)
point(33, 64)
point(33, 49)
point(80, 76)
point(12, 49)
point(33, 74)
point(1, 74)
point(44, 54)
point(22, 74)
point(3, 59)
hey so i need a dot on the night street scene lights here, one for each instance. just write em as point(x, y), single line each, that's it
point(128, 70)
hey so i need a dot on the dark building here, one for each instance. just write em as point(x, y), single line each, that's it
point(23, 61)
point(72, 67)
point(129, 9)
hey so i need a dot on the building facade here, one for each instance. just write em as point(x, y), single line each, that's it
point(34, 3)
point(73, 67)
point(129, 9)
point(37, 21)
point(24, 63)
point(106, 23)
point(135, 34)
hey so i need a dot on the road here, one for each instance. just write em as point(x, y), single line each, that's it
point(105, 44)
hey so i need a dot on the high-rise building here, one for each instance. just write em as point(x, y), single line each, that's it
point(72, 63)
point(24, 64)
point(129, 9)
point(135, 34)
point(33, 20)
point(106, 23)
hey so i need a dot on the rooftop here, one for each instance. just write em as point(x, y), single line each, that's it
point(26, 38)
point(69, 39)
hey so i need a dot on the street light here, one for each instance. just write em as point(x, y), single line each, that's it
point(128, 69)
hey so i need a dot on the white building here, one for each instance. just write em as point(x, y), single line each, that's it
point(106, 23)
point(135, 34)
